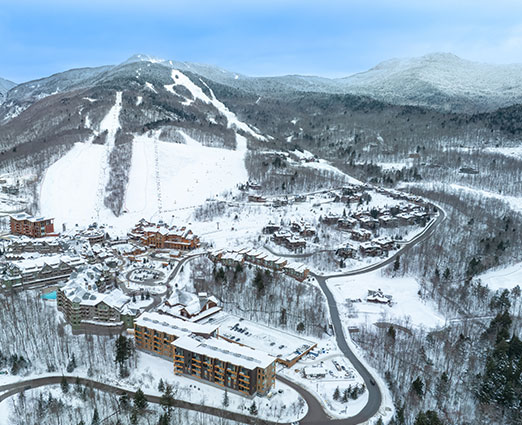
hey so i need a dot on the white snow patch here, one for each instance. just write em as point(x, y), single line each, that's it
point(391, 165)
point(324, 165)
point(69, 187)
point(189, 140)
point(189, 174)
point(197, 93)
point(503, 278)
point(515, 202)
point(139, 100)
point(72, 189)
point(406, 301)
point(515, 152)
point(150, 87)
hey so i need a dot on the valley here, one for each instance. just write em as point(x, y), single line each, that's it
point(201, 217)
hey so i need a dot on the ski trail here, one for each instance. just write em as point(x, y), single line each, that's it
point(157, 175)
point(111, 124)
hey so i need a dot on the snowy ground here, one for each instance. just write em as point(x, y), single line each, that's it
point(328, 357)
point(4, 412)
point(515, 152)
point(284, 405)
point(407, 305)
point(503, 278)
point(190, 174)
point(513, 201)
point(152, 369)
point(242, 223)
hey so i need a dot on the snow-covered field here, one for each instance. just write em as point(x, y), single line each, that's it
point(515, 152)
point(407, 305)
point(513, 201)
point(284, 405)
point(503, 278)
point(69, 189)
point(328, 358)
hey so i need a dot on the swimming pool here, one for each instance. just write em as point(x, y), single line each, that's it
point(49, 296)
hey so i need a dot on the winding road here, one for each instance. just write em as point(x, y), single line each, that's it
point(315, 415)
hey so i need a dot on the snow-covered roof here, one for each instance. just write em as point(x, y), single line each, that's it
point(275, 342)
point(225, 351)
point(34, 264)
point(172, 325)
point(28, 217)
point(297, 267)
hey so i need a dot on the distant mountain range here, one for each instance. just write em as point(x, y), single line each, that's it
point(439, 80)
point(400, 105)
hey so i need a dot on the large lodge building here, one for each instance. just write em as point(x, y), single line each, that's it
point(198, 351)
point(163, 237)
point(26, 225)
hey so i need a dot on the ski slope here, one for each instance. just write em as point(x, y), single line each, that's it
point(503, 277)
point(189, 174)
point(73, 188)
point(69, 191)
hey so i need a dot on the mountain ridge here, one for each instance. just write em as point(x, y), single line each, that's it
point(442, 81)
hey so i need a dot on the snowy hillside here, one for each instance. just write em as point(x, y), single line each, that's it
point(163, 176)
point(440, 79)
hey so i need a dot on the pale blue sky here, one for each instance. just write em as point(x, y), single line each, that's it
point(328, 38)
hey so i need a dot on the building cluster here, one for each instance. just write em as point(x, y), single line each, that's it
point(291, 238)
point(223, 349)
point(18, 250)
point(93, 235)
point(399, 215)
point(161, 236)
point(190, 307)
point(197, 351)
point(361, 224)
point(262, 259)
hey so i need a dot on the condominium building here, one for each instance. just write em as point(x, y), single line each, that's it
point(27, 225)
point(226, 364)
point(155, 332)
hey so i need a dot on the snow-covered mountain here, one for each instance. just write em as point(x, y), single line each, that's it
point(135, 138)
point(96, 119)
point(5, 86)
point(440, 80)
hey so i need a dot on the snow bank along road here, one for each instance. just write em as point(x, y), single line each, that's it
point(315, 414)
point(12, 389)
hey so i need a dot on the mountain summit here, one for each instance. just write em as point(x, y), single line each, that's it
point(440, 80)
